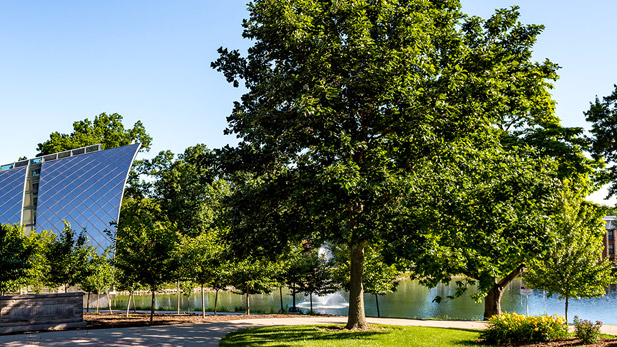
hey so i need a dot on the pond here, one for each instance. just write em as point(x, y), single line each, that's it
point(411, 300)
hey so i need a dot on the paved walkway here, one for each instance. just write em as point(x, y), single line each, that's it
point(204, 334)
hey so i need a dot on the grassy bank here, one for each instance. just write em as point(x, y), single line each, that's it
point(323, 336)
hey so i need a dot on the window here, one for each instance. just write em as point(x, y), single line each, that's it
point(611, 249)
point(611, 235)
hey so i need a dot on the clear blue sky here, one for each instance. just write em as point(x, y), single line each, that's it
point(149, 60)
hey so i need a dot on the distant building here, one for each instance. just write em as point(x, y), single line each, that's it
point(609, 238)
point(83, 186)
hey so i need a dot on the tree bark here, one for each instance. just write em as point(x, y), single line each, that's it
point(128, 306)
point(88, 303)
point(98, 298)
point(134, 304)
point(203, 302)
point(311, 301)
point(492, 301)
point(356, 318)
point(293, 296)
point(109, 301)
point(216, 298)
point(281, 294)
point(178, 296)
point(152, 305)
point(567, 299)
point(248, 304)
point(377, 304)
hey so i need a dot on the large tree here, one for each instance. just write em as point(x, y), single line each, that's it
point(186, 189)
point(346, 100)
point(603, 118)
point(105, 129)
point(483, 218)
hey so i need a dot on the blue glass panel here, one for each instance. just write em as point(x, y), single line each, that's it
point(12, 194)
point(86, 190)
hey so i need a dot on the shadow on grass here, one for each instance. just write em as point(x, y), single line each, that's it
point(281, 336)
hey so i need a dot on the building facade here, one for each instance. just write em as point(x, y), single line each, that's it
point(83, 186)
point(610, 243)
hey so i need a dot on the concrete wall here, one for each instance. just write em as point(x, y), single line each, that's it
point(41, 312)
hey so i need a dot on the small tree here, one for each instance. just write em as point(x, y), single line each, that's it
point(202, 259)
point(572, 267)
point(128, 281)
point(38, 274)
point(101, 275)
point(316, 276)
point(253, 276)
point(68, 257)
point(15, 254)
point(145, 243)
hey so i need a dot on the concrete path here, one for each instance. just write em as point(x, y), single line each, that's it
point(204, 334)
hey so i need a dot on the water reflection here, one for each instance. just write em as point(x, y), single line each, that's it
point(411, 300)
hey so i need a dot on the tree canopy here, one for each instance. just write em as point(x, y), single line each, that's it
point(603, 118)
point(15, 253)
point(347, 101)
point(105, 129)
point(572, 267)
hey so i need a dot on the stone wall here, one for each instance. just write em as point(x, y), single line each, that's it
point(41, 312)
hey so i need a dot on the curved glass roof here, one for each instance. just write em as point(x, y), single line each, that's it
point(85, 190)
point(12, 194)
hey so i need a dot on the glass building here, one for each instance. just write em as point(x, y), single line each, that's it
point(83, 186)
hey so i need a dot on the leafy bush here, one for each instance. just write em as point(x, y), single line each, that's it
point(586, 331)
point(512, 327)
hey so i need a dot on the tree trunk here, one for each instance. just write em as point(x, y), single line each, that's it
point(98, 298)
point(134, 304)
point(248, 304)
point(281, 294)
point(377, 304)
point(311, 301)
point(152, 305)
point(567, 298)
point(293, 297)
point(203, 302)
point(128, 306)
point(88, 303)
point(356, 318)
point(178, 295)
point(492, 301)
point(109, 302)
point(66, 287)
point(216, 298)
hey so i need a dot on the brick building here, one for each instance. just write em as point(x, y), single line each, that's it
point(610, 239)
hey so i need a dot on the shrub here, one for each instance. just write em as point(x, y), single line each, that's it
point(512, 327)
point(586, 331)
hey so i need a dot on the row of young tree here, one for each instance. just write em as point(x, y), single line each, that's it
point(164, 256)
point(404, 128)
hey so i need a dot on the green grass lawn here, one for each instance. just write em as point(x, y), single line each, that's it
point(323, 336)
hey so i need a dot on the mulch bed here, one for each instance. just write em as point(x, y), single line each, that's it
point(106, 320)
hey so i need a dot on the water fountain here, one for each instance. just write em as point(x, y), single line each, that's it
point(334, 301)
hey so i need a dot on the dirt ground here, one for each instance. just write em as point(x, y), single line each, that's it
point(106, 320)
